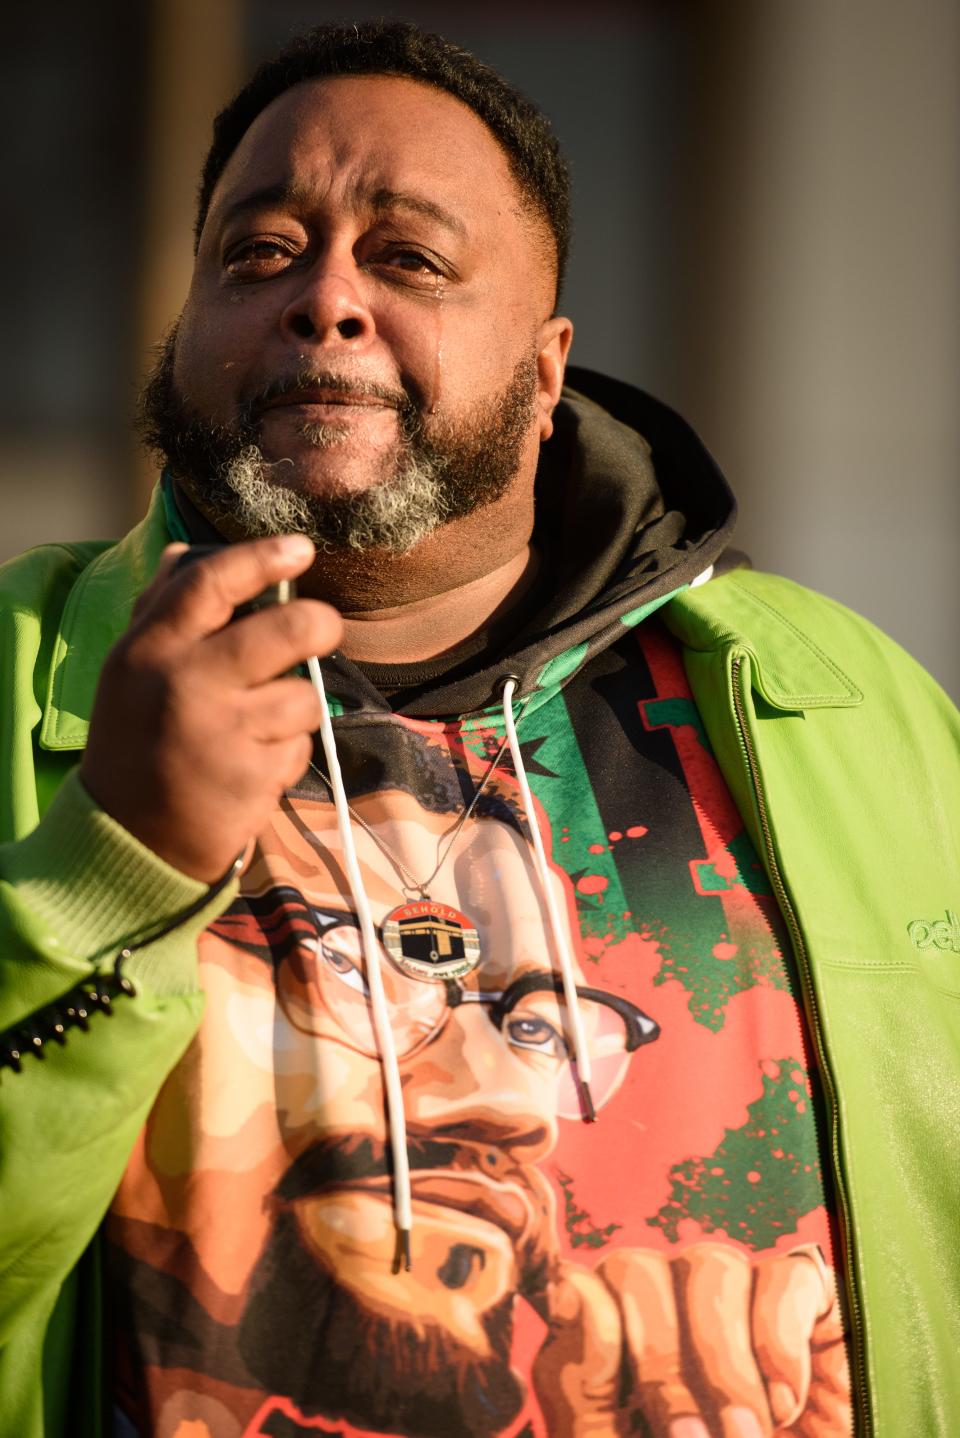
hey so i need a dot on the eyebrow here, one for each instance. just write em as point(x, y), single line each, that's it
point(381, 201)
point(332, 918)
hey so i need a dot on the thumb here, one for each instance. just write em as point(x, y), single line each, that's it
point(576, 1374)
point(168, 561)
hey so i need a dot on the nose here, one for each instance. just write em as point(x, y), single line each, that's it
point(468, 1084)
point(329, 308)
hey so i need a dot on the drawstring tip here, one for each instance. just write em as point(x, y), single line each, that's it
point(586, 1104)
point(401, 1259)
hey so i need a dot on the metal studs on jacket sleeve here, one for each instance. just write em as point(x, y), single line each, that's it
point(73, 1011)
point(96, 994)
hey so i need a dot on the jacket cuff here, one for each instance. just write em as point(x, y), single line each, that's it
point(99, 889)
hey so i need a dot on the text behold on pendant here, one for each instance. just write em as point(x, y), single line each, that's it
point(430, 941)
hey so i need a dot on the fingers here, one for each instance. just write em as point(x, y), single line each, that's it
point(790, 1293)
point(798, 1327)
point(187, 751)
point(293, 758)
point(829, 1407)
point(719, 1346)
point(576, 1373)
point(261, 646)
point(716, 1283)
point(689, 1343)
point(201, 599)
point(643, 1284)
point(283, 709)
point(168, 563)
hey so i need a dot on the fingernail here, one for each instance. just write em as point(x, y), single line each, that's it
point(688, 1427)
point(739, 1422)
point(783, 1404)
point(295, 546)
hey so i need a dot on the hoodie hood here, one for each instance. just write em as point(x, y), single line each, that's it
point(630, 509)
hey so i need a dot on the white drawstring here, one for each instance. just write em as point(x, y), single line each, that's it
point(396, 1120)
point(371, 952)
point(557, 927)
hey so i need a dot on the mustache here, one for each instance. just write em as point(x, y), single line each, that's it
point(330, 1163)
point(282, 385)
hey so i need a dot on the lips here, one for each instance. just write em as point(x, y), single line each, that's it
point(479, 1180)
point(505, 1205)
point(319, 398)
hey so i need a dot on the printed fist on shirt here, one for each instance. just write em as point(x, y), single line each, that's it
point(706, 1344)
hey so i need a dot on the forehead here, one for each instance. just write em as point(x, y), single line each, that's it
point(349, 136)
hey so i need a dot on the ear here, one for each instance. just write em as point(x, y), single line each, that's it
point(554, 345)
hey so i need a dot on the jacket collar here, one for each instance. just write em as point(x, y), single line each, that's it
point(97, 612)
point(737, 611)
point(763, 615)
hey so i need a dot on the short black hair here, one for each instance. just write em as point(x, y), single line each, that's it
point(378, 47)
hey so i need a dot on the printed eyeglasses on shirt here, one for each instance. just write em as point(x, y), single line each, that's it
point(322, 991)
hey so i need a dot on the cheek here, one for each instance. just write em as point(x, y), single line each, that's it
point(216, 348)
point(324, 1086)
point(460, 352)
point(250, 1024)
point(315, 1083)
point(195, 364)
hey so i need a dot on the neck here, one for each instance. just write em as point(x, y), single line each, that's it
point(428, 627)
point(404, 608)
point(467, 575)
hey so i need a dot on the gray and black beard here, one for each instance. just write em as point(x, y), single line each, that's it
point(433, 475)
point(306, 1336)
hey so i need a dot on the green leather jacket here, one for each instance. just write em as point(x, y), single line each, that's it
point(842, 756)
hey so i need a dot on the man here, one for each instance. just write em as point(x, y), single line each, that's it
point(370, 355)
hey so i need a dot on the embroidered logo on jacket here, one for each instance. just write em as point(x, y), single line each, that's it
point(936, 933)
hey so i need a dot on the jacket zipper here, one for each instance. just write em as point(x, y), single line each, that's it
point(857, 1349)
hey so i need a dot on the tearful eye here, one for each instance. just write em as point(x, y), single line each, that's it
point(418, 265)
point(536, 1035)
point(257, 258)
point(408, 260)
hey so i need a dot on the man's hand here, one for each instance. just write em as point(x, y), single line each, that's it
point(194, 737)
point(704, 1345)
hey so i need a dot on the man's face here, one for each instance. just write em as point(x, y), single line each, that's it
point(480, 1112)
point(369, 290)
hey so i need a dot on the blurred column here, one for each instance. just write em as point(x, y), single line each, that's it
point(196, 64)
point(71, 86)
point(822, 298)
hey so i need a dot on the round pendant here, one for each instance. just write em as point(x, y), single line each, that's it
point(431, 941)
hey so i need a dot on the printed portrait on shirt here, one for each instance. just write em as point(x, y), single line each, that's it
point(551, 1281)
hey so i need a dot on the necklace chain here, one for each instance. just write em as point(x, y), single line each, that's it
point(413, 887)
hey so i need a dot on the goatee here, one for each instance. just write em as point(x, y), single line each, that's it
point(439, 470)
point(307, 1335)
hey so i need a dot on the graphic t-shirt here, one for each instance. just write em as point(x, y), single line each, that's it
point(673, 1261)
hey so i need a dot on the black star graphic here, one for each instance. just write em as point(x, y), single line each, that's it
point(528, 752)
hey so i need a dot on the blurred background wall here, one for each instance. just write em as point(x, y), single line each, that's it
point(767, 231)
